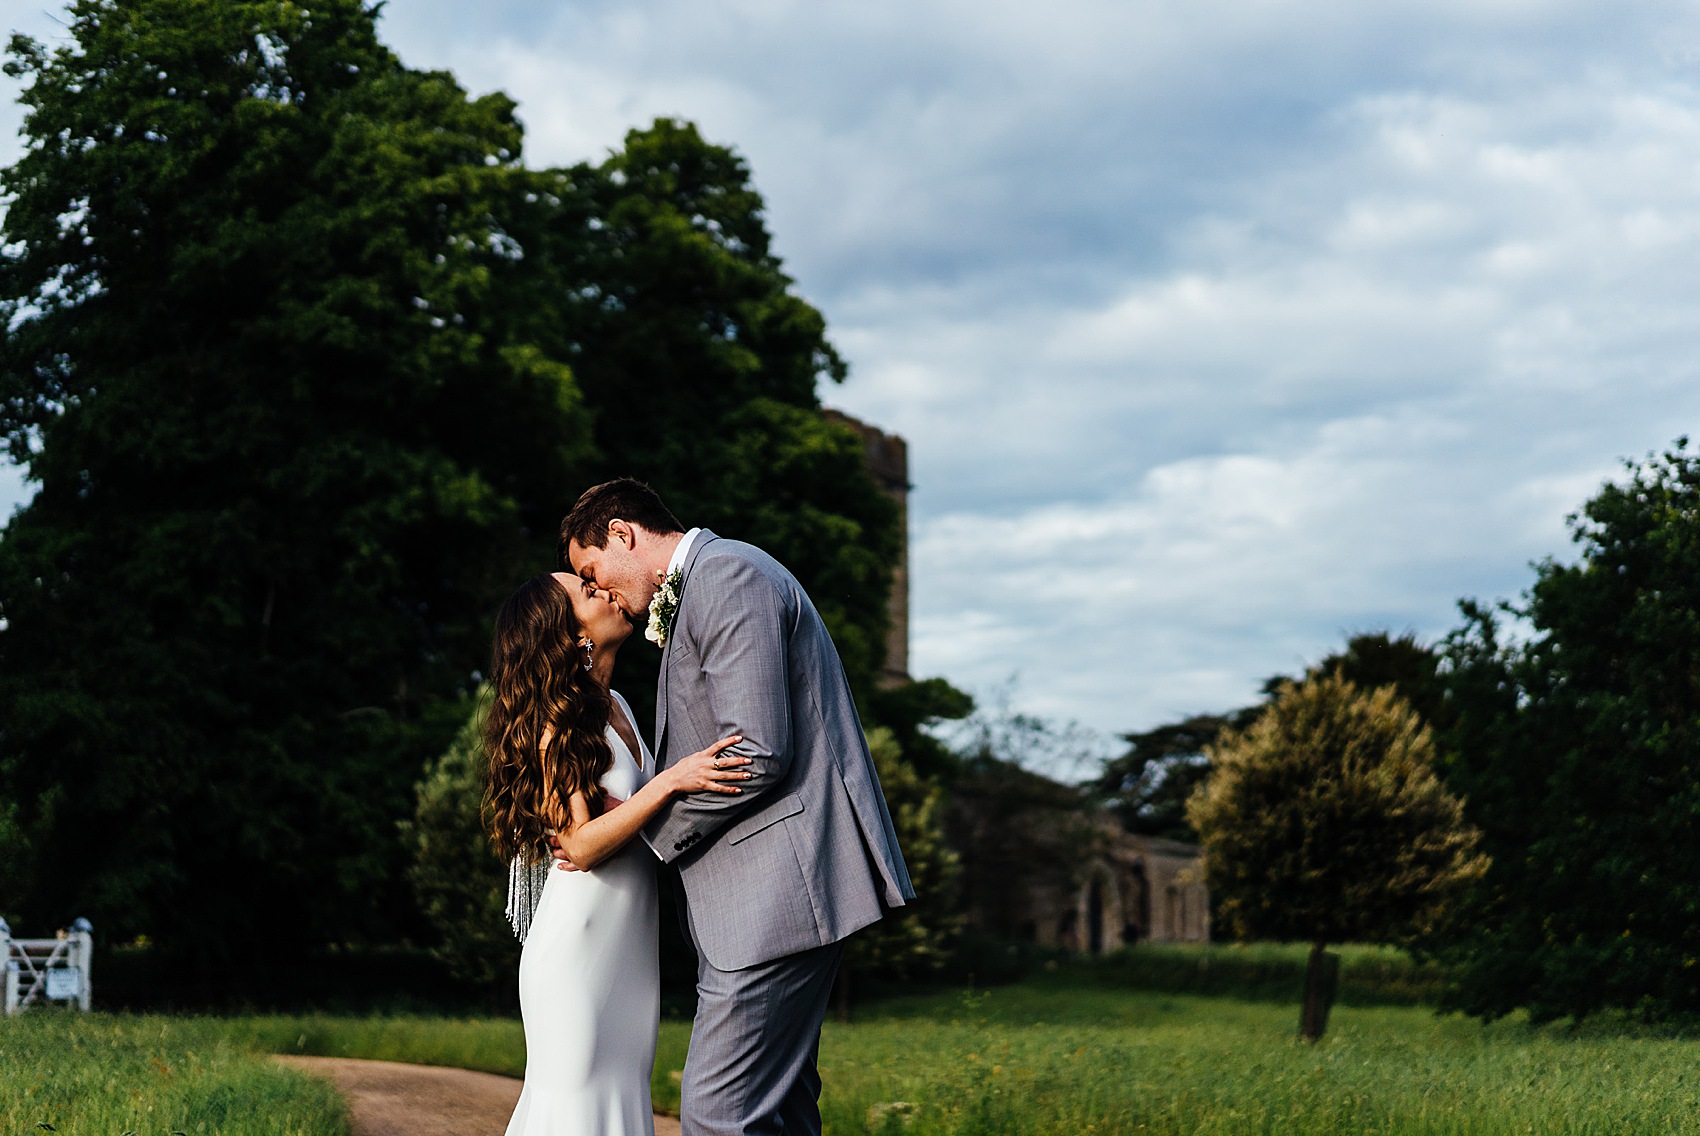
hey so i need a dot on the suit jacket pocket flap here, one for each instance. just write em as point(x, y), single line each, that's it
point(788, 806)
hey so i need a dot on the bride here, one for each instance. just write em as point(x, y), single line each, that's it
point(565, 760)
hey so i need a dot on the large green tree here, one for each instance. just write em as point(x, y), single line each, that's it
point(653, 274)
point(1577, 743)
point(286, 455)
point(1324, 820)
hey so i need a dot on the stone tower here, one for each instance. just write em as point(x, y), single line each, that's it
point(888, 461)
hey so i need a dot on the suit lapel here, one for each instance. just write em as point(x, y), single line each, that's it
point(661, 709)
point(662, 684)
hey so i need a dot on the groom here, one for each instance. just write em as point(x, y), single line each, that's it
point(776, 877)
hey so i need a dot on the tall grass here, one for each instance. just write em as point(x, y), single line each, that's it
point(95, 1075)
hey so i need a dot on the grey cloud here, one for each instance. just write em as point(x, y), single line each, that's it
point(1217, 330)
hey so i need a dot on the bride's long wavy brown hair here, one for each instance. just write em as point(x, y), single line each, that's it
point(538, 683)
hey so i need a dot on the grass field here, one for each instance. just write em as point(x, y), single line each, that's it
point(1056, 1057)
point(1064, 1053)
point(96, 1075)
point(1369, 976)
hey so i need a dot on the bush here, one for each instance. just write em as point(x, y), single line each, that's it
point(460, 881)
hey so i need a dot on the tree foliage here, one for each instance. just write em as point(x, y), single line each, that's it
point(914, 939)
point(1148, 786)
point(284, 467)
point(459, 880)
point(653, 274)
point(909, 709)
point(1576, 742)
point(1373, 659)
point(1324, 821)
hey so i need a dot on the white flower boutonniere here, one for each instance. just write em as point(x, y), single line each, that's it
point(662, 608)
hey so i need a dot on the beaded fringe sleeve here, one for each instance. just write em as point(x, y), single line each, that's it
point(525, 888)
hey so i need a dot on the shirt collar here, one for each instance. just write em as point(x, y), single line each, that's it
point(677, 563)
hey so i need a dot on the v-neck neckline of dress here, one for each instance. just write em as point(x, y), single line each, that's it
point(618, 704)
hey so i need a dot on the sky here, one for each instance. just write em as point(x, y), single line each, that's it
point(1218, 330)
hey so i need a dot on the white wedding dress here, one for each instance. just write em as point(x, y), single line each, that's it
point(590, 987)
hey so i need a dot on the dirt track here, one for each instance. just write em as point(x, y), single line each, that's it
point(386, 1098)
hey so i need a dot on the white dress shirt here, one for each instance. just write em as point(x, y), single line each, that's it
point(679, 553)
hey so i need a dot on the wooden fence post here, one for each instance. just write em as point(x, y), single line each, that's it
point(9, 967)
point(82, 949)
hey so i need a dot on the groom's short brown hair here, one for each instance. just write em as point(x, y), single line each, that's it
point(623, 499)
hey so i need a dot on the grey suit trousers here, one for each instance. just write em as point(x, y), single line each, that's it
point(754, 1044)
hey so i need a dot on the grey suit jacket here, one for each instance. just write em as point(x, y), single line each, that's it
point(807, 853)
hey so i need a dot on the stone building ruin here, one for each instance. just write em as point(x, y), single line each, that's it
point(1136, 889)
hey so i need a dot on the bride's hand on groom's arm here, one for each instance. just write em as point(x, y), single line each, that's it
point(708, 770)
point(590, 839)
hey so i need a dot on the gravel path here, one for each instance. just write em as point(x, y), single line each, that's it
point(387, 1098)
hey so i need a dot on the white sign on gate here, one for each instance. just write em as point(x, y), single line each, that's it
point(63, 982)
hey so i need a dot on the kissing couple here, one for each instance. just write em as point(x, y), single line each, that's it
point(761, 792)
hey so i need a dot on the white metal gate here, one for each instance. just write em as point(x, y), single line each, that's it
point(48, 970)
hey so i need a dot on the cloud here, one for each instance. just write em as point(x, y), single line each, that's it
point(1217, 330)
point(1212, 573)
point(1373, 382)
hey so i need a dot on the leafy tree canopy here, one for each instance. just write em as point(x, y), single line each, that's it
point(1575, 741)
point(1324, 822)
point(1379, 658)
point(908, 709)
point(652, 272)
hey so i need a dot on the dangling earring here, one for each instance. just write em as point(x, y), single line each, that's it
point(588, 647)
